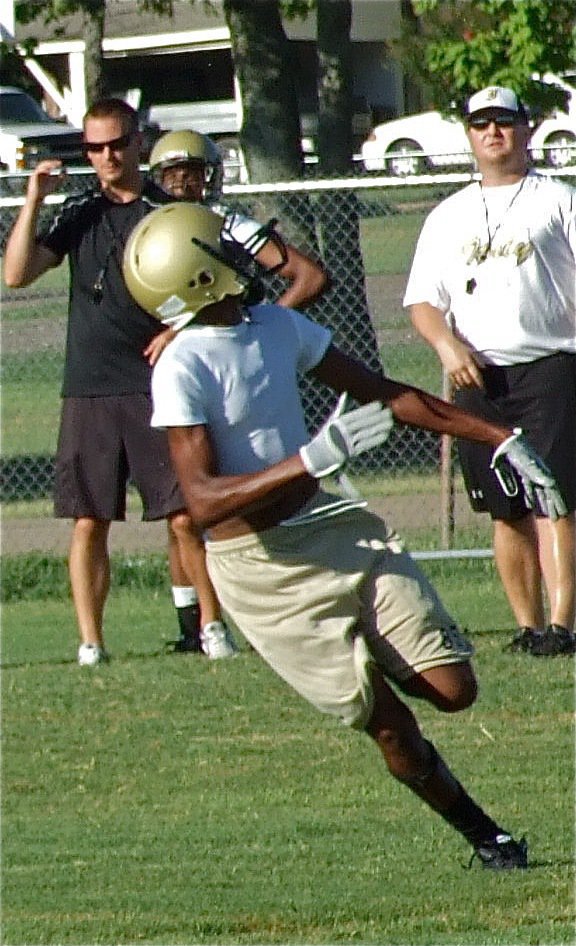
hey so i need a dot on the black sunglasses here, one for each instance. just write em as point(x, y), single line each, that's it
point(117, 144)
point(503, 121)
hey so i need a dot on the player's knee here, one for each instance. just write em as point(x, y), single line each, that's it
point(180, 526)
point(87, 529)
point(455, 703)
point(459, 693)
point(450, 689)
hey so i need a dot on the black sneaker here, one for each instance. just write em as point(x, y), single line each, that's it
point(503, 853)
point(525, 641)
point(185, 645)
point(554, 642)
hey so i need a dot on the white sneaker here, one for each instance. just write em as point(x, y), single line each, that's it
point(217, 641)
point(89, 655)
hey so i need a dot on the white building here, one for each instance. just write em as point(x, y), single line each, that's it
point(186, 57)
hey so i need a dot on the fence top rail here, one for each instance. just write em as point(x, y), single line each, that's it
point(326, 184)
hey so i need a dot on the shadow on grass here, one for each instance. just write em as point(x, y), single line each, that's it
point(123, 658)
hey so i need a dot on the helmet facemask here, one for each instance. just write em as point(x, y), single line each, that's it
point(242, 256)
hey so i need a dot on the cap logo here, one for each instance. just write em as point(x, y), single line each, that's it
point(492, 94)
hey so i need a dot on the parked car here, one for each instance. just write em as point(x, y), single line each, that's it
point(431, 141)
point(553, 141)
point(415, 144)
point(220, 119)
point(28, 135)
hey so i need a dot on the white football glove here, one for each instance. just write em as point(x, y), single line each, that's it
point(346, 435)
point(515, 455)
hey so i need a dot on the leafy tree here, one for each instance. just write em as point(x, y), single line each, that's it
point(456, 47)
point(13, 70)
point(92, 14)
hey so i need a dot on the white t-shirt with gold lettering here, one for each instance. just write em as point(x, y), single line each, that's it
point(501, 263)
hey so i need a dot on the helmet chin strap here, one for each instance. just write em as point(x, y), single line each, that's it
point(177, 322)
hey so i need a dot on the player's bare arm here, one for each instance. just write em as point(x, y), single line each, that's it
point(233, 505)
point(409, 405)
point(24, 259)
point(512, 458)
point(256, 501)
point(307, 279)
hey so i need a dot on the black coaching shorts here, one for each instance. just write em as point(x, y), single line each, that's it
point(539, 397)
point(103, 443)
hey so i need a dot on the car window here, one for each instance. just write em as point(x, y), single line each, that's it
point(15, 107)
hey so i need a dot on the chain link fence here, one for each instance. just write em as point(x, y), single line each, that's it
point(364, 229)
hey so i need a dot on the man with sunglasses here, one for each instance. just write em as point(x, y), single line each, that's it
point(105, 435)
point(493, 290)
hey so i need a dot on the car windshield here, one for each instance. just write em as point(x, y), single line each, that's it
point(16, 107)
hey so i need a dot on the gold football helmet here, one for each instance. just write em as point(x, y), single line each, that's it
point(174, 265)
point(188, 148)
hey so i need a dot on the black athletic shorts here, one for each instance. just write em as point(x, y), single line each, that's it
point(539, 397)
point(103, 443)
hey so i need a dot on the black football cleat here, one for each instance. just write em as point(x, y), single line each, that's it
point(524, 641)
point(555, 641)
point(503, 853)
point(185, 645)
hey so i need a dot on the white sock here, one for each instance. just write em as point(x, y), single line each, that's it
point(183, 596)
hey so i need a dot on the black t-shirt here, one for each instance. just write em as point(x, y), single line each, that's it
point(107, 330)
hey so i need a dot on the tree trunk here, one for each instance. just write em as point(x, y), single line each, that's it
point(335, 82)
point(344, 308)
point(93, 17)
point(271, 141)
point(270, 134)
point(412, 89)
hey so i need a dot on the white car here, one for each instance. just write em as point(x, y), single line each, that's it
point(431, 141)
point(553, 141)
point(416, 144)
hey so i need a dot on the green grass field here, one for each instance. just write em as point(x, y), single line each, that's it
point(164, 799)
point(388, 242)
point(167, 800)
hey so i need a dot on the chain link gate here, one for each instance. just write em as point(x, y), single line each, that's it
point(364, 230)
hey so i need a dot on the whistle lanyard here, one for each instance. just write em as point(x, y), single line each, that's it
point(116, 241)
point(492, 234)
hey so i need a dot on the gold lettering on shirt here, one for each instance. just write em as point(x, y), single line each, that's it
point(478, 251)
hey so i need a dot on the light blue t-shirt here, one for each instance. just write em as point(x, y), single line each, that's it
point(242, 382)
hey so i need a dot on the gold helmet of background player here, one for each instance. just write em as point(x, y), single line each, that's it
point(182, 148)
